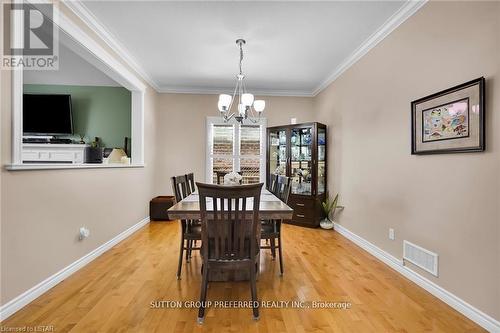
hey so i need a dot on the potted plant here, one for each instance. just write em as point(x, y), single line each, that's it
point(94, 152)
point(329, 208)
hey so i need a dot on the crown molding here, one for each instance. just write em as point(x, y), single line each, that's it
point(405, 12)
point(80, 10)
point(216, 91)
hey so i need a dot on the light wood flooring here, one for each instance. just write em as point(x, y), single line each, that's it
point(114, 292)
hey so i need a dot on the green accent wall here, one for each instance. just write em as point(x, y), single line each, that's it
point(97, 111)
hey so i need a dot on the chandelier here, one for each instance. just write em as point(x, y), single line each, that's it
point(248, 107)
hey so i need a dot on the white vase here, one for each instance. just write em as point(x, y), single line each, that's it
point(326, 224)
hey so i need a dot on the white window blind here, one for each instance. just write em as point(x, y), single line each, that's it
point(235, 147)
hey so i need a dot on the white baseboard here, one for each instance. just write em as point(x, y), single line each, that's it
point(28, 296)
point(481, 318)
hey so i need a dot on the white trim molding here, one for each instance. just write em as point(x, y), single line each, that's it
point(216, 91)
point(50, 166)
point(16, 31)
point(405, 12)
point(80, 10)
point(31, 294)
point(487, 322)
point(137, 127)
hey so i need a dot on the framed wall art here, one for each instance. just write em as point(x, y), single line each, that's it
point(450, 121)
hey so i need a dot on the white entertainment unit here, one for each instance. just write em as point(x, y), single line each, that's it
point(53, 153)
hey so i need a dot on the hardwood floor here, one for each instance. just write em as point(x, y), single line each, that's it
point(114, 293)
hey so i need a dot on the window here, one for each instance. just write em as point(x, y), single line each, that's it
point(235, 147)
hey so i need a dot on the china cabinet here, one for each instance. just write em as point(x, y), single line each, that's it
point(299, 151)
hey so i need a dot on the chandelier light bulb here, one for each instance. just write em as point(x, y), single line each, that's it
point(259, 105)
point(221, 106)
point(225, 100)
point(247, 99)
point(242, 109)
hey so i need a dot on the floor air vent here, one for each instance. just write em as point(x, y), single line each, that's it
point(421, 257)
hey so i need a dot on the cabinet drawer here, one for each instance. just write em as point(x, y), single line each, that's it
point(308, 214)
point(53, 153)
point(78, 157)
point(303, 205)
point(303, 218)
point(61, 156)
point(304, 208)
point(298, 202)
point(304, 211)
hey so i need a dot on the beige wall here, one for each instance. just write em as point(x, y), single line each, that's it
point(446, 203)
point(41, 211)
point(181, 130)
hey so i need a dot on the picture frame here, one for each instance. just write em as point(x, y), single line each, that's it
point(450, 121)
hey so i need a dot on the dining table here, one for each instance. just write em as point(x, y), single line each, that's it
point(270, 208)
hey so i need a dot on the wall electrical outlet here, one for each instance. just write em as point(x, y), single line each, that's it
point(391, 234)
point(84, 233)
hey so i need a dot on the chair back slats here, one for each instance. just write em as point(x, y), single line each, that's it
point(230, 231)
point(180, 187)
point(273, 182)
point(283, 187)
point(183, 186)
point(190, 182)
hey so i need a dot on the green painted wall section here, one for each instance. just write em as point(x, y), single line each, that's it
point(97, 111)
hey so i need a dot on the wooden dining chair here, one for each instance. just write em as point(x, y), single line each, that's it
point(190, 180)
point(230, 232)
point(190, 229)
point(271, 229)
point(191, 189)
point(283, 188)
point(273, 182)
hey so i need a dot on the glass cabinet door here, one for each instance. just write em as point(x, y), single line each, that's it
point(321, 161)
point(301, 160)
point(277, 152)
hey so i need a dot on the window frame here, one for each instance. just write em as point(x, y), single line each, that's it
point(236, 146)
point(76, 38)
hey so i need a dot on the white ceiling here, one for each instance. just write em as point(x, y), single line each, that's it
point(293, 48)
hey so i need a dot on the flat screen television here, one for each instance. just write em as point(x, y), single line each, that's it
point(47, 114)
